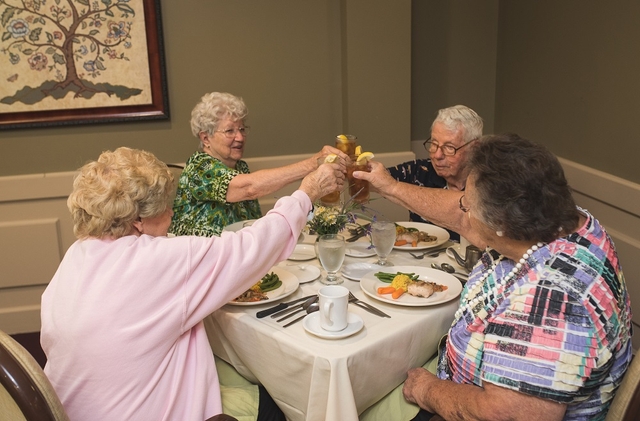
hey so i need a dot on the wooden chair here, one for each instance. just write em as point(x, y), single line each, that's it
point(25, 392)
point(626, 403)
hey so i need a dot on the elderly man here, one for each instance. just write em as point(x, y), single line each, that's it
point(453, 130)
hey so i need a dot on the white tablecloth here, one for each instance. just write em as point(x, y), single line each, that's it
point(322, 379)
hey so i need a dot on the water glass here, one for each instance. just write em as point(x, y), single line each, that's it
point(383, 236)
point(331, 249)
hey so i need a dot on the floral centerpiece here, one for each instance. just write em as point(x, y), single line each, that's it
point(333, 219)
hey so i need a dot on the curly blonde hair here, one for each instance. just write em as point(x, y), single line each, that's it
point(212, 108)
point(121, 186)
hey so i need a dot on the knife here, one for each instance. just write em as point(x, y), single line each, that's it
point(279, 307)
point(371, 309)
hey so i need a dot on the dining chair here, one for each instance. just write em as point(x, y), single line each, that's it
point(25, 392)
point(626, 403)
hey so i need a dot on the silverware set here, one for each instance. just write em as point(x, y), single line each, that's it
point(308, 305)
point(358, 232)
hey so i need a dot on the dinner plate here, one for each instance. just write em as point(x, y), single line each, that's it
point(289, 285)
point(441, 234)
point(359, 249)
point(369, 285)
point(308, 274)
point(237, 226)
point(355, 271)
point(303, 252)
point(311, 324)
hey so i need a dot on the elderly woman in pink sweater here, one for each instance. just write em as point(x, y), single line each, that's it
point(122, 317)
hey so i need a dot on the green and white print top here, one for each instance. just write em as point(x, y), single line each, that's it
point(200, 207)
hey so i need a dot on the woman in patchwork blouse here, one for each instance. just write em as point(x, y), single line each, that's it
point(216, 187)
point(543, 328)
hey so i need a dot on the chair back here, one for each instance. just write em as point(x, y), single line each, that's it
point(25, 391)
point(626, 403)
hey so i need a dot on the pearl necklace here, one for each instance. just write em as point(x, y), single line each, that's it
point(475, 293)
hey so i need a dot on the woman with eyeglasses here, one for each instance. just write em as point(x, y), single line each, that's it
point(543, 328)
point(216, 187)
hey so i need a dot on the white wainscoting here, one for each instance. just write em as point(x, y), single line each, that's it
point(36, 230)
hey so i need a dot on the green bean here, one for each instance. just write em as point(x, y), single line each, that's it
point(276, 285)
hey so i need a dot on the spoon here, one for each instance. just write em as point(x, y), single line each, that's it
point(311, 309)
point(450, 270)
point(305, 306)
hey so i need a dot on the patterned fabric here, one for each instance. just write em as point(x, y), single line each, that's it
point(559, 330)
point(421, 173)
point(200, 207)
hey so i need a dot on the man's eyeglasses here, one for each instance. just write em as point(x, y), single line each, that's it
point(447, 150)
point(463, 208)
point(231, 133)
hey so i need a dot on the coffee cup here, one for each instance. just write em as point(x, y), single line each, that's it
point(334, 300)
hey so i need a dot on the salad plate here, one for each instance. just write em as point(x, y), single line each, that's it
point(289, 285)
point(359, 249)
point(303, 252)
point(441, 234)
point(370, 284)
point(355, 271)
point(305, 273)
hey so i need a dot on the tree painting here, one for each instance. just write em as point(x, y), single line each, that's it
point(68, 47)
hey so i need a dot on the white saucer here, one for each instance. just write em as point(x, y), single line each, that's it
point(311, 324)
point(303, 252)
point(359, 249)
point(355, 271)
point(308, 274)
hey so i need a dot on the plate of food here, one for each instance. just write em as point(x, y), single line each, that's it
point(278, 283)
point(424, 286)
point(414, 236)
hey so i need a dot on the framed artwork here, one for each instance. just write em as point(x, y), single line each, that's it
point(67, 62)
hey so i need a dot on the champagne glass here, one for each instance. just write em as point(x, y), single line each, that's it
point(331, 249)
point(383, 236)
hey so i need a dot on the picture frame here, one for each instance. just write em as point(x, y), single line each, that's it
point(81, 62)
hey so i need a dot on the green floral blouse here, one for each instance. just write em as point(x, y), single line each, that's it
point(200, 207)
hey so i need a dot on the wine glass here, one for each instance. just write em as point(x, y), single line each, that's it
point(383, 236)
point(331, 249)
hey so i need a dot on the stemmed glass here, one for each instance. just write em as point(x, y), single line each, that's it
point(331, 249)
point(383, 236)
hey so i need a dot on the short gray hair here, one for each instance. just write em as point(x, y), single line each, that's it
point(214, 107)
point(460, 117)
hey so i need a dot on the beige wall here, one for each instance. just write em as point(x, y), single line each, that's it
point(306, 70)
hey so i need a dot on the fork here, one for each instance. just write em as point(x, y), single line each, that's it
point(428, 253)
point(371, 309)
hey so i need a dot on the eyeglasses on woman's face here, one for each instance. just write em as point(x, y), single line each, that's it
point(447, 149)
point(233, 132)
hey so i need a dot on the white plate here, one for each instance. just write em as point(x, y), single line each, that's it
point(303, 252)
point(237, 226)
point(289, 285)
point(441, 233)
point(359, 249)
point(308, 274)
point(311, 324)
point(355, 271)
point(369, 284)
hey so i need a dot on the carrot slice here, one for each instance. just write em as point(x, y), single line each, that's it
point(386, 290)
point(400, 243)
point(414, 243)
point(397, 293)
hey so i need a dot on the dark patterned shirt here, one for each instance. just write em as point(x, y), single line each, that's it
point(559, 330)
point(421, 173)
point(200, 207)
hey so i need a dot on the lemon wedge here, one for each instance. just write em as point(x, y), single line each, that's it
point(364, 157)
point(358, 150)
point(342, 138)
point(330, 158)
